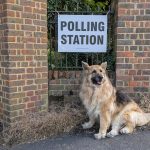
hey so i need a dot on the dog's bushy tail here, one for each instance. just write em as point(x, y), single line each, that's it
point(143, 118)
point(147, 116)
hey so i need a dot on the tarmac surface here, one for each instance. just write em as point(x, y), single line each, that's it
point(140, 140)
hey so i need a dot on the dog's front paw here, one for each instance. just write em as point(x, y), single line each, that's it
point(86, 125)
point(99, 136)
point(125, 130)
point(112, 133)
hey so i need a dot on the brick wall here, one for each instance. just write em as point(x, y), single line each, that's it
point(64, 82)
point(2, 56)
point(133, 46)
point(23, 52)
point(67, 83)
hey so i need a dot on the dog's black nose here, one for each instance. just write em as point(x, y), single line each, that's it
point(97, 79)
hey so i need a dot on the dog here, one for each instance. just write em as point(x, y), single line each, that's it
point(102, 101)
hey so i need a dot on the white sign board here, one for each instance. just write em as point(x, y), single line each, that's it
point(82, 33)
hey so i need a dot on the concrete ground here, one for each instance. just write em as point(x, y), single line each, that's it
point(140, 140)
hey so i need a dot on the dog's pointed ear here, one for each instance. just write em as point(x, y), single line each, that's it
point(104, 65)
point(85, 65)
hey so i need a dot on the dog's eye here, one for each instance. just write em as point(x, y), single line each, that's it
point(94, 71)
point(100, 70)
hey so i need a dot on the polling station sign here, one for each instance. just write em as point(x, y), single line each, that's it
point(82, 33)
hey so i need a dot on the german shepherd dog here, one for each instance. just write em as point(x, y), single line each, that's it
point(112, 107)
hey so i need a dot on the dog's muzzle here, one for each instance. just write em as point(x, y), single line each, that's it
point(97, 79)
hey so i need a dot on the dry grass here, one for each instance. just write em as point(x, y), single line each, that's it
point(145, 105)
point(1, 139)
point(60, 119)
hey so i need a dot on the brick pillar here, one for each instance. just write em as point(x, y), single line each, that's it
point(1, 59)
point(23, 58)
point(133, 46)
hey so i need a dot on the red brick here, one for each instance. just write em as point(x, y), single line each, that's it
point(55, 75)
point(29, 88)
point(11, 1)
point(125, 54)
point(135, 24)
point(27, 3)
point(17, 58)
point(32, 64)
point(44, 75)
point(17, 83)
point(132, 72)
point(141, 78)
point(146, 24)
point(28, 21)
point(28, 52)
point(133, 83)
point(145, 84)
point(15, 71)
point(43, 6)
point(29, 82)
point(134, 12)
point(11, 39)
point(133, 60)
point(44, 86)
point(142, 66)
point(39, 11)
point(18, 14)
point(78, 74)
point(30, 93)
point(29, 70)
point(61, 74)
point(34, 98)
point(122, 11)
point(29, 58)
point(44, 69)
point(55, 81)
point(28, 28)
point(28, 9)
point(30, 104)
point(28, 15)
point(44, 40)
point(10, 13)
point(12, 77)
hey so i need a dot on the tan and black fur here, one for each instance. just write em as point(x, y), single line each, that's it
point(114, 108)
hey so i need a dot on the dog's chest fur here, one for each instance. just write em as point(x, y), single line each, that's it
point(92, 97)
